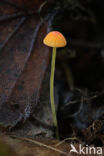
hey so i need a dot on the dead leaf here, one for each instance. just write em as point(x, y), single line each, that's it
point(23, 60)
point(41, 147)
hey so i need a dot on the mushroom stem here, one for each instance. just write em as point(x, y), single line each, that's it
point(52, 92)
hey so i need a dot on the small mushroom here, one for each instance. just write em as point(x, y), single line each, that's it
point(55, 40)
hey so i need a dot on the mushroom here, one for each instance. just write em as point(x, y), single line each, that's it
point(55, 40)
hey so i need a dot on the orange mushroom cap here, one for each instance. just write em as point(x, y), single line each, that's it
point(55, 39)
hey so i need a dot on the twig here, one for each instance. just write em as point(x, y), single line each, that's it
point(13, 32)
point(41, 144)
point(66, 139)
point(86, 99)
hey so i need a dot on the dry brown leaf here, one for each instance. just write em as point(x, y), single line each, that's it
point(41, 147)
point(23, 60)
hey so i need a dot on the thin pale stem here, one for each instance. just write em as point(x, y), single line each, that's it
point(52, 92)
